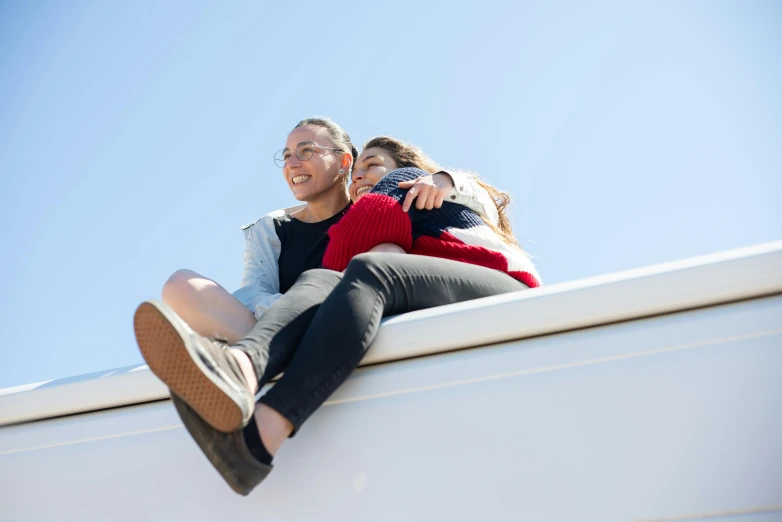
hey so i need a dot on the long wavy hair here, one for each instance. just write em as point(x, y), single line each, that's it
point(408, 155)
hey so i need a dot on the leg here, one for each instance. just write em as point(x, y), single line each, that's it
point(212, 388)
point(273, 340)
point(219, 384)
point(269, 346)
point(207, 307)
point(374, 285)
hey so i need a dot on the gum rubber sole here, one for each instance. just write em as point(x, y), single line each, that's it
point(164, 350)
point(227, 452)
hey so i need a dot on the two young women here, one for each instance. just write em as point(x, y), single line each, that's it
point(320, 328)
point(316, 163)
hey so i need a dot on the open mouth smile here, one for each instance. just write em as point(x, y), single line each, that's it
point(300, 179)
point(363, 189)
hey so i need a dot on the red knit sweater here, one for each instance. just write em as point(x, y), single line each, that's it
point(450, 232)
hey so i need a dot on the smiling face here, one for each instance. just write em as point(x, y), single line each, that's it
point(317, 175)
point(373, 164)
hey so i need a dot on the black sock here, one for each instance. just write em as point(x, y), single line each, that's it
point(254, 443)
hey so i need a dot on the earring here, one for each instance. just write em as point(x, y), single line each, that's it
point(341, 171)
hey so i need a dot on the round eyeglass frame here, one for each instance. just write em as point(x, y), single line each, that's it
point(301, 156)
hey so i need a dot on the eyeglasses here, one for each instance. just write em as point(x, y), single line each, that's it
point(304, 151)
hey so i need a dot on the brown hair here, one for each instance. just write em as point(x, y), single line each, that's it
point(407, 155)
point(339, 138)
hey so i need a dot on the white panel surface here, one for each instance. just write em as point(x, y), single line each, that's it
point(667, 417)
point(718, 278)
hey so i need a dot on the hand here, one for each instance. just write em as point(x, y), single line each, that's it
point(389, 248)
point(427, 191)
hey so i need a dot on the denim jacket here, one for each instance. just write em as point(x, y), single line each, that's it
point(260, 286)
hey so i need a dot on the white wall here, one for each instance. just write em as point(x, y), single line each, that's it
point(669, 416)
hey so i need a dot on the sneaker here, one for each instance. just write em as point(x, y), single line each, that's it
point(200, 371)
point(227, 452)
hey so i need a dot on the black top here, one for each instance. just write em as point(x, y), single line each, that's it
point(302, 245)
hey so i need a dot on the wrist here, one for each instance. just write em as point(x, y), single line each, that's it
point(443, 180)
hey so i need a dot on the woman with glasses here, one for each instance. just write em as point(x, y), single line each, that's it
point(318, 332)
point(316, 163)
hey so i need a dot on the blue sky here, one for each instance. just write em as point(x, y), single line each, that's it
point(136, 137)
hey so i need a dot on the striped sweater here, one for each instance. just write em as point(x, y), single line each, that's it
point(451, 232)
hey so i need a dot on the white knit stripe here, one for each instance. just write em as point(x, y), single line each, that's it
point(482, 235)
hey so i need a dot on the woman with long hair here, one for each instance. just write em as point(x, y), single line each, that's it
point(318, 332)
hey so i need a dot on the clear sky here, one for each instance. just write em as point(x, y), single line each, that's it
point(137, 137)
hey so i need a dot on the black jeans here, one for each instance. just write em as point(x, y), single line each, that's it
point(318, 332)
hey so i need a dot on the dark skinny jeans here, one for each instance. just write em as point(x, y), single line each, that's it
point(318, 332)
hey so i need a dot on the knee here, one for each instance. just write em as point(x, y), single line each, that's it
point(319, 278)
point(317, 274)
point(370, 265)
point(180, 287)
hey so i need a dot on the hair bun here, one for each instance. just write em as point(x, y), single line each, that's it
point(336, 134)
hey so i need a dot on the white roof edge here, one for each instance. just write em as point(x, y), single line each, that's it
point(691, 283)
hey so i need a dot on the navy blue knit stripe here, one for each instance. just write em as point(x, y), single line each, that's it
point(389, 185)
point(436, 221)
point(426, 222)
